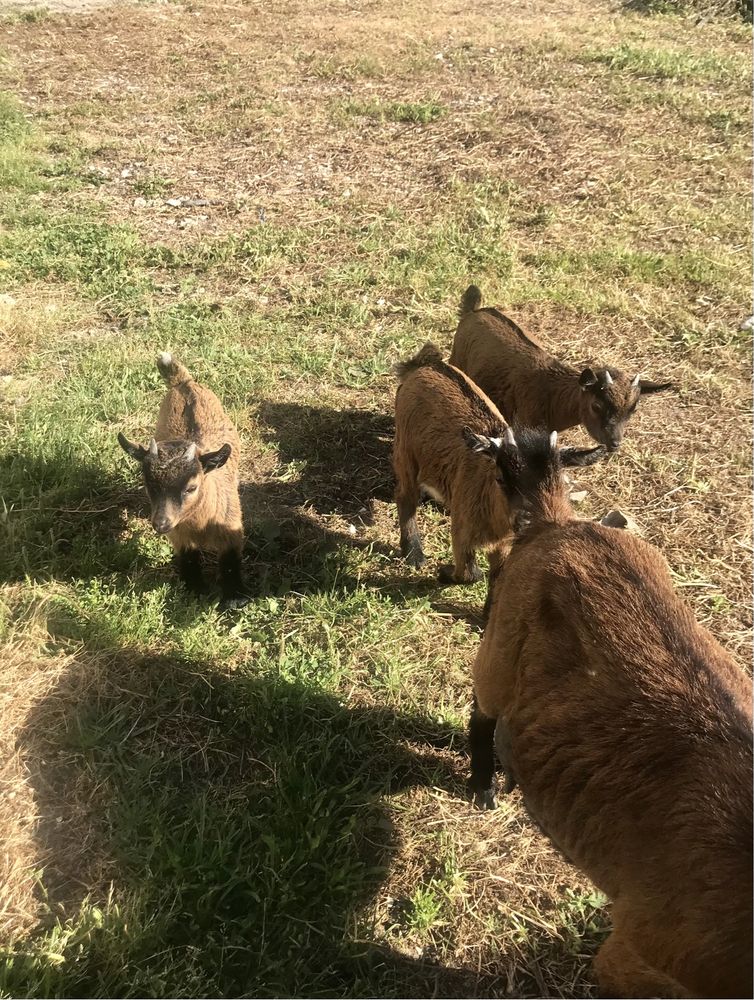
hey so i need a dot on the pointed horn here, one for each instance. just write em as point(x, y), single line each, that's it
point(635, 383)
point(153, 448)
point(553, 439)
point(190, 453)
point(508, 437)
point(608, 378)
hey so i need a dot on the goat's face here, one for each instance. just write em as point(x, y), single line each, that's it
point(528, 464)
point(608, 399)
point(174, 474)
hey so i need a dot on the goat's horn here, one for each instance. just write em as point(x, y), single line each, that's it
point(508, 437)
point(553, 439)
point(608, 378)
point(636, 381)
point(153, 448)
point(190, 453)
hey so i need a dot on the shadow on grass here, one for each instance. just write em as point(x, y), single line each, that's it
point(240, 821)
point(344, 456)
point(63, 516)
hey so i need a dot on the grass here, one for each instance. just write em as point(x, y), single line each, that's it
point(666, 64)
point(272, 802)
point(416, 112)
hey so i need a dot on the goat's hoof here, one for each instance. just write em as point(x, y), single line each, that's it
point(483, 798)
point(233, 603)
point(416, 559)
point(447, 574)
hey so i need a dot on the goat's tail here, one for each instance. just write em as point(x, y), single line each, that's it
point(171, 370)
point(429, 355)
point(471, 300)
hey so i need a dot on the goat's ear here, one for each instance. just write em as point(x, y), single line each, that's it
point(581, 456)
point(649, 387)
point(480, 443)
point(135, 451)
point(215, 459)
point(587, 379)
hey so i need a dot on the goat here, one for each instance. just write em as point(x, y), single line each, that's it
point(628, 728)
point(534, 389)
point(190, 470)
point(436, 409)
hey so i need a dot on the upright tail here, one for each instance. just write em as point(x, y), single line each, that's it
point(471, 300)
point(429, 355)
point(171, 370)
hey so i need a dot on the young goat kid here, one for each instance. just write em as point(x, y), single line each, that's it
point(534, 389)
point(436, 409)
point(629, 730)
point(190, 470)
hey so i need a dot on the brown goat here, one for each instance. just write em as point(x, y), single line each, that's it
point(436, 409)
point(190, 471)
point(629, 730)
point(532, 388)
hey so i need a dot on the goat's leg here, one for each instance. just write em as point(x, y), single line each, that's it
point(190, 570)
point(482, 784)
point(622, 972)
point(231, 578)
point(503, 752)
point(407, 500)
point(464, 568)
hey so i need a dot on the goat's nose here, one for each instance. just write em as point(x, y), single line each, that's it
point(161, 525)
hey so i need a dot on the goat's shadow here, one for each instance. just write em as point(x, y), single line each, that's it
point(243, 818)
point(344, 455)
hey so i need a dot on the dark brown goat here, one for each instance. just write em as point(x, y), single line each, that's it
point(190, 473)
point(436, 409)
point(629, 730)
point(532, 388)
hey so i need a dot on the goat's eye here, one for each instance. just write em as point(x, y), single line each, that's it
point(596, 407)
point(189, 489)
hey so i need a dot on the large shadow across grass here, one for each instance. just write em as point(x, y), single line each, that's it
point(241, 821)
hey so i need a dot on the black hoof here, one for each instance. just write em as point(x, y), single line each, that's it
point(447, 573)
point(233, 603)
point(484, 798)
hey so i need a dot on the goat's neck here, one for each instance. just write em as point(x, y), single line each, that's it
point(543, 511)
point(563, 394)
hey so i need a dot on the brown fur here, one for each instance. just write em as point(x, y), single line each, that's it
point(433, 404)
point(628, 728)
point(530, 386)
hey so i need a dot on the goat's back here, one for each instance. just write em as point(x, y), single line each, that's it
point(630, 735)
point(500, 358)
point(192, 412)
point(440, 391)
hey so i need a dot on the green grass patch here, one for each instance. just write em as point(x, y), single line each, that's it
point(413, 112)
point(667, 64)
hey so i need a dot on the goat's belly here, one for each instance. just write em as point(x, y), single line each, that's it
point(430, 491)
